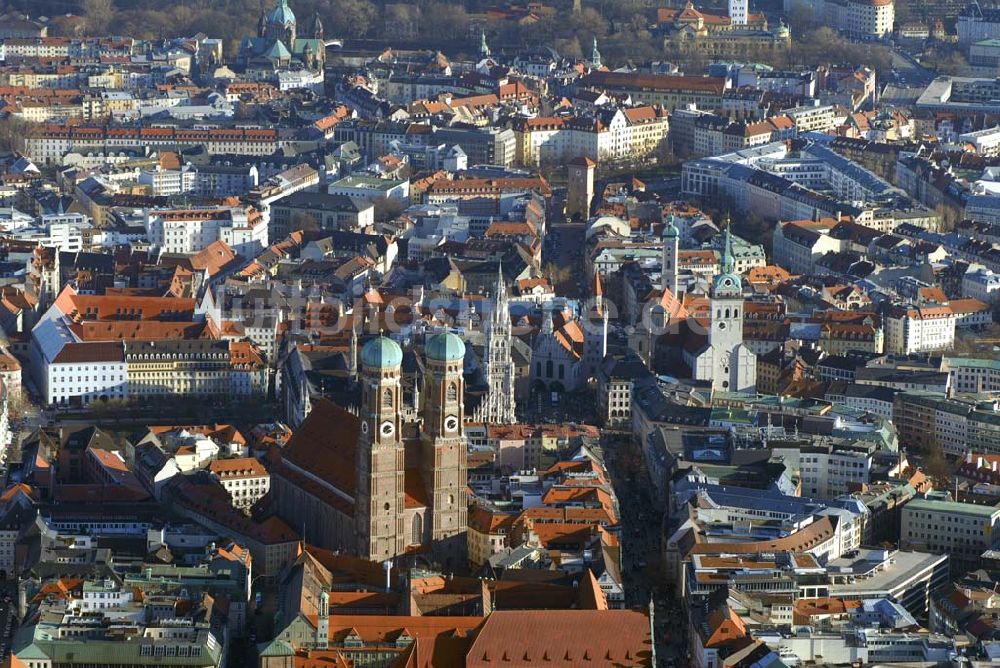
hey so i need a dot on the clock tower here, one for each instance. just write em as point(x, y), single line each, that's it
point(379, 501)
point(445, 456)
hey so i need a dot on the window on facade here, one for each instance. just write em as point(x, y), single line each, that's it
point(416, 531)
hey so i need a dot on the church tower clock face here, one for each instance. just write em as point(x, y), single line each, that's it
point(387, 428)
point(364, 427)
point(451, 423)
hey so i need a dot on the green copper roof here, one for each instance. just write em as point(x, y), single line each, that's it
point(278, 51)
point(381, 353)
point(671, 228)
point(275, 648)
point(282, 14)
point(446, 347)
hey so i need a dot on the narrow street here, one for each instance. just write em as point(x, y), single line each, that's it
point(643, 570)
point(565, 246)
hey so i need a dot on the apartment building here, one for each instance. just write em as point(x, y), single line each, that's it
point(665, 90)
point(330, 212)
point(931, 419)
point(985, 141)
point(976, 23)
point(370, 188)
point(225, 180)
point(910, 329)
point(244, 478)
point(615, 377)
point(984, 429)
point(982, 284)
point(612, 135)
point(49, 143)
point(972, 375)
point(486, 197)
point(811, 118)
point(830, 468)
point(190, 231)
point(82, 373)
point(166, 182)
point(962, 530)
point(77, 348)
point(200, 368)
point(489, 534)
point(860, 18)
point(797, 244)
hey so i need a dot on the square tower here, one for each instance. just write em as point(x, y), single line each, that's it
point(580, 188)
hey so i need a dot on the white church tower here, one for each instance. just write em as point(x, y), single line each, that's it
point(726, 361)
point(498, 406)
point(671, 249)
point(738, 12)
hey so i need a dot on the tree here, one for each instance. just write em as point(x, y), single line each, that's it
point(99, 15)
point(66, 26)
point(801, 18)
point(568, 48)
point(12, 132)
point(561, 278)
point(936, 467)
point(386, 209)
point(353, 18)
point(945, 61)
point(401, 20)
point(303, 222)
point(445, 20)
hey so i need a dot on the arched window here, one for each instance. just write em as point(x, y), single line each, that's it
point(538, 368)
point(548, 369)
point(417, 531)
point(387, 399)
point(453, 392)
point(727, 312)
point(562, 372)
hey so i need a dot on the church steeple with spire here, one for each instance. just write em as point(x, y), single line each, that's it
point(726, 361)
point(498, 407)
point(317, 26)
point(595, 56)
point(484, 48)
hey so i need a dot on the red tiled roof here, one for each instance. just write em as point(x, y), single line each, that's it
point(241, 467)
point(325, 445)
point(563, 638)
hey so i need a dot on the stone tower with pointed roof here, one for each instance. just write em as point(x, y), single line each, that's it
point(498, 406)
point(484, 48)
point(725, 360)
point(317, 26)
point(595, 56)
point(595, 342)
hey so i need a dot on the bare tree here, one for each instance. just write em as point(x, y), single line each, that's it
point(99, 15)
point(386, 209)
